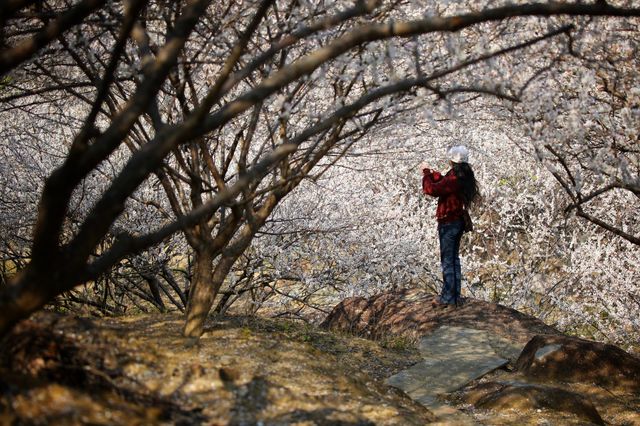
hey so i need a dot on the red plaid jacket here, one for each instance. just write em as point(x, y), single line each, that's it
point(447, 189)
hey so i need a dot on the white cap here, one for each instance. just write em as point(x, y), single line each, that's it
point(458, 154)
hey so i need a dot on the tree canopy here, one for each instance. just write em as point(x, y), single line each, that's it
point(128, 123)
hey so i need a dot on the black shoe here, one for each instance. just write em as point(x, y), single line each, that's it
point(436, 303)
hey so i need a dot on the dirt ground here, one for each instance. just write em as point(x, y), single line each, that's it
point(138, 370)
point(61, 370)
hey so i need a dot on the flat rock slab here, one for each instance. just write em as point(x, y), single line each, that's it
point(453, 357)
point(463, 343)
point(431, 377)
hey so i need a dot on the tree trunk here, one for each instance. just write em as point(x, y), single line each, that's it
point(154, 288)
point(201, 299)
point(200, 304)
point(24, 294)
point(201, 294)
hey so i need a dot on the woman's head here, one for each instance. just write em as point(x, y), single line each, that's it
point(459, 157)
point(458, 154)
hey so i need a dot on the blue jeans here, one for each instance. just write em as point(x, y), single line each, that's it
point(450, 235)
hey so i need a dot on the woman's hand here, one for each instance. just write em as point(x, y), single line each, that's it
point(424, 168)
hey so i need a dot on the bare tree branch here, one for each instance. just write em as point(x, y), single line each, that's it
point(14, 56)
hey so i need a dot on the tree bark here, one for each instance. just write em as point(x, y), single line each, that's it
point(201, 299)
point(25, 293)
point(201, 293)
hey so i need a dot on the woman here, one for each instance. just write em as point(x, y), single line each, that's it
point(455, 191)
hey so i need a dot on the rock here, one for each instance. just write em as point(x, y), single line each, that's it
point(228, 375)
point(453, 356)
point(408, 312)
point(574, 360)
point(523, 396)
point(358, 314)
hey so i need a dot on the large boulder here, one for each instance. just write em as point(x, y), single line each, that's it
point(570, 359)
point(522, 397)
point(409, 312)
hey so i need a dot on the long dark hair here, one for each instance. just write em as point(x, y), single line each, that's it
point(470, 190)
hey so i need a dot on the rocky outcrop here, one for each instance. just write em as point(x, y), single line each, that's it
point(569, 359)
point(521, 396)
point(411, 313)
point(553, 377)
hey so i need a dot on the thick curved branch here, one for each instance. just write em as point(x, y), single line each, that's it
point(14, 56)
point(129, 245)
point(374, 32)
point(361, 8)
point(81, 160)
point(150, 157)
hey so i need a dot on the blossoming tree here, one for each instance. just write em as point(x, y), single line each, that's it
point(229, 107)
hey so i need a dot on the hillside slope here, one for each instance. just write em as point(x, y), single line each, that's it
point(62, 369)
point(139, 370)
